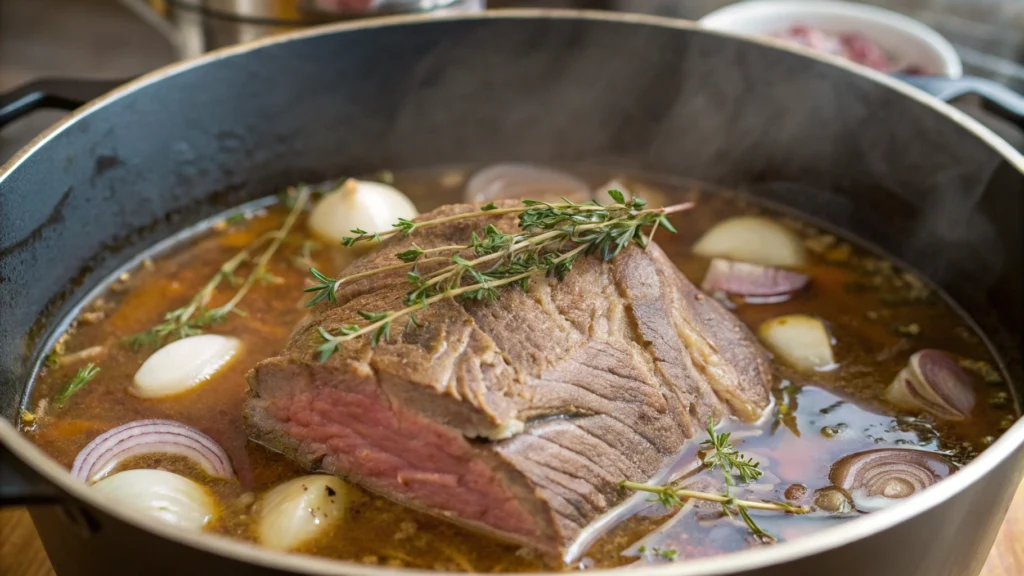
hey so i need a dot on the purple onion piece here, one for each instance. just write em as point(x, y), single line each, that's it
point(934, 382)
point(876, 478)
point(744, 279)
point(141, 437)
point(525, 181)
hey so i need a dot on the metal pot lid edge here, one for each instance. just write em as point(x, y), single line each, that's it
point(1004, 149)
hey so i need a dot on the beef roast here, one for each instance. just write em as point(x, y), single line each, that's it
point(517, 418)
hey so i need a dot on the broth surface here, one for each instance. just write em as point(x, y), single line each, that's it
point(878, 316)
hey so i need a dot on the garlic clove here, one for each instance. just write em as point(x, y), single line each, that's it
point(171, 498)
point(753, 239)
point(800, 340)
point(300, 510)
point(359, 204)
point(834, 500)
point(528, 181)
point(183, 364)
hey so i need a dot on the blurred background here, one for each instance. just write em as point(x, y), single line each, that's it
point(124, 38)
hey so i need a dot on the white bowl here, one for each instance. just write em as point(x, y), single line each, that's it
point(907, 41)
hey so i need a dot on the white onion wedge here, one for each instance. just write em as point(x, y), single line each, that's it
point(800, 340)
point(171, 498)
point(359, 204)
point(514, 180)
point(183, 364)
point(753, 239)
point(301, 509)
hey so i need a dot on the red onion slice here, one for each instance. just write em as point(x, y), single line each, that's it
point(525, 181)
point(744, 279)
point(878, 478)
point(104, 453)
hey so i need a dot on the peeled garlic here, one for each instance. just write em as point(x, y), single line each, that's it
point(801, 341)
point(301, 509)
point(183, 364)
point(752, 239)
point(164, 495)
point(359, 204)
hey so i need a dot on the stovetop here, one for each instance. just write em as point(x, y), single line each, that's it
point(102, 39)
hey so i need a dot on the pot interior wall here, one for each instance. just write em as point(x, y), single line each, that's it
point(189, 143)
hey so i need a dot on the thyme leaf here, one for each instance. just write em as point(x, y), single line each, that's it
point(670, 554)
point(723, 454)
point(325, 290)
point(411, 255)
point(667, 553)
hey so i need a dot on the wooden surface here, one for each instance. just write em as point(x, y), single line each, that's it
point(21, 553)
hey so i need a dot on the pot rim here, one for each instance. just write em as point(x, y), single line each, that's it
point(731, 563)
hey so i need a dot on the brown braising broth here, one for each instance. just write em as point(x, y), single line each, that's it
point(877, 314)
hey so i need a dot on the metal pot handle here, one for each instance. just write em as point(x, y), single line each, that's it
point(999, 99)
point(22, 486)
point(61, 93)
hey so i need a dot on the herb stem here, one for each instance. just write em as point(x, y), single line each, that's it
point(650, 237)
point(719, 498)
point(448, 271)
point(260, 269)
point(681, 207)
point(567, 229)
point(183, 322)
point(226, 270)
point(375, 271)
point(551, 238)
point(454, 247)
point(405, 230)
point(452, 293)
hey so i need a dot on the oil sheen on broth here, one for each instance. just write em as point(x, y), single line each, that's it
point(877, 316)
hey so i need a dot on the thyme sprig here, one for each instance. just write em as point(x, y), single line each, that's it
point(380, 326)
point(722, 454)
point(551, 238)
point(81, 378)
point(671, 496)
point(192, 318)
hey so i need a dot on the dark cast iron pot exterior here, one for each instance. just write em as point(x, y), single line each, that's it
point(855, 149)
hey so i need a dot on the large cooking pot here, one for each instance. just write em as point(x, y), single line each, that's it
point(857, 150)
